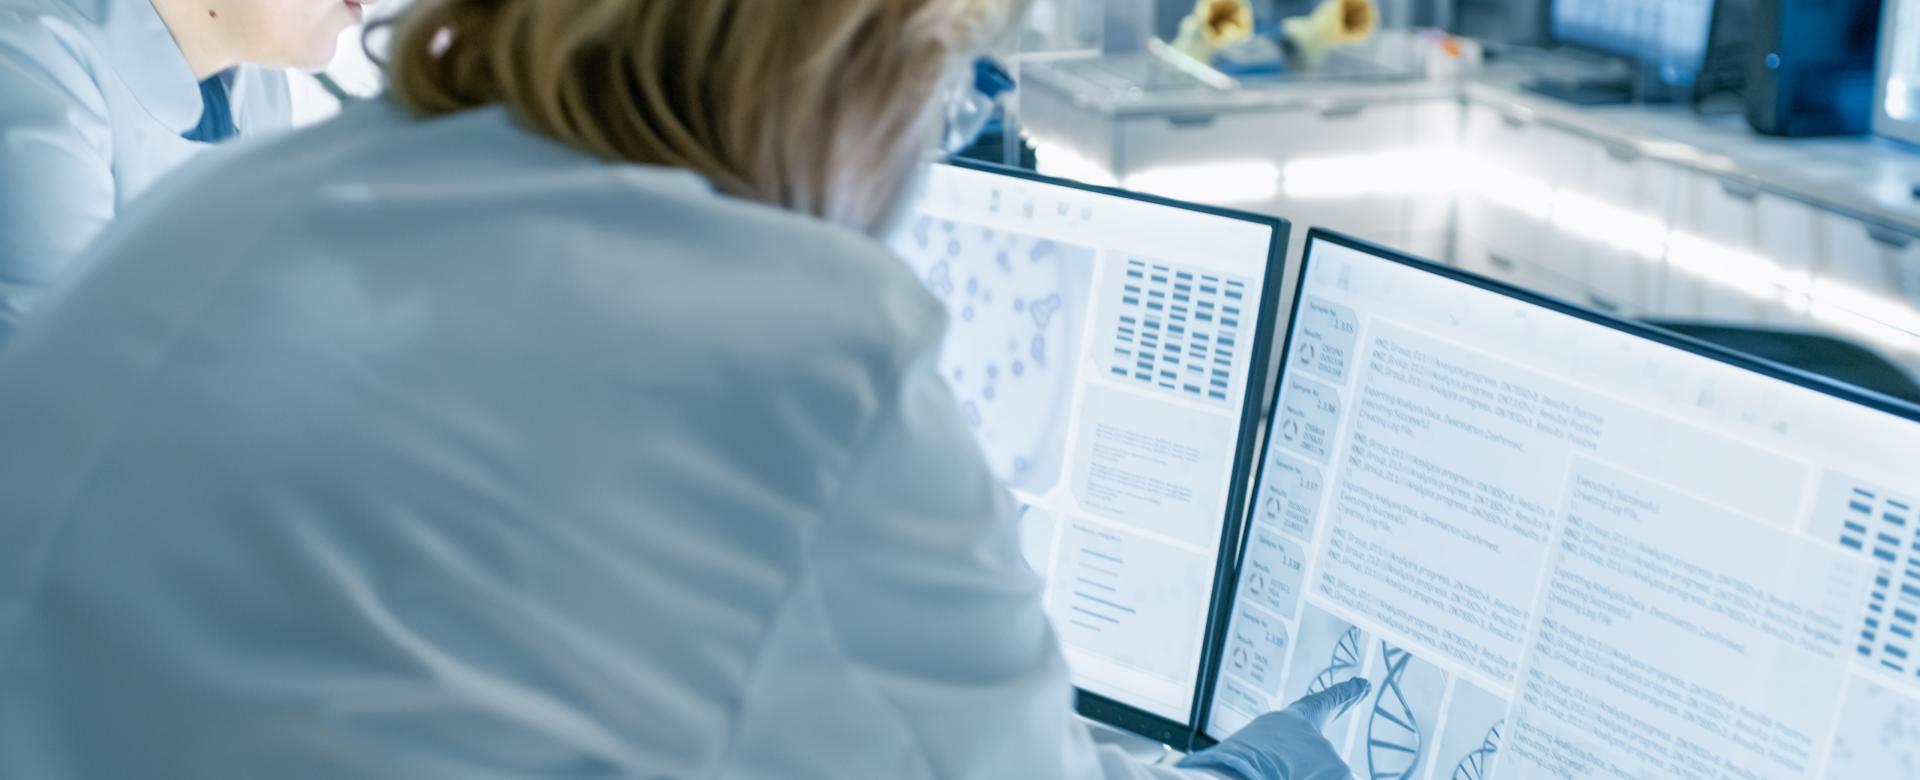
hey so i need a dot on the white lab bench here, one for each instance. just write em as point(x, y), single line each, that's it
point(1126, 121)
point(1644, 210)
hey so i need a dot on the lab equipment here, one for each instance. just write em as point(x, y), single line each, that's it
point(1333, 24)
point(1668, 36)
point(1287, 745)
point(1811, 68)
point(1512, 503)
point(1662, 43)
point(973, 103)
point(1214, 25)
point(96, 105)
point(1896, 112)
point(1501, 22)
point(1108, 351)
point(1218, 25)
point(1065, 28)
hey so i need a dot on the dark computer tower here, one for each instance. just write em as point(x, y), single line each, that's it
point(1722, 85)
point(1810, 68)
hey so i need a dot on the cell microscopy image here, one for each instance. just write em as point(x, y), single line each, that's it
point(1879, 733)
point(1018, 308)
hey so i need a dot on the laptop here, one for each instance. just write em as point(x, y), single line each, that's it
point(1561, 544)
point(1109, 351)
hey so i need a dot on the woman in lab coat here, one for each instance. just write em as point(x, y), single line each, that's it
point(99, 98)
point(560, 418)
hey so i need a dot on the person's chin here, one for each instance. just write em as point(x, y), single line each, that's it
point(315, 58)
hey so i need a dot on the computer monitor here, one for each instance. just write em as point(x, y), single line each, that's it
point(1669, 37)
point(1571, 546)
point(1896, 112)
point(1110, 352)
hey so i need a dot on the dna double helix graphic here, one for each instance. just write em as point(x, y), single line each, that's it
point(1344, 664)
point(1394, 733)
point(1478, 763)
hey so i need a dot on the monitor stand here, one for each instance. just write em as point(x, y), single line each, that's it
point(1139, 747)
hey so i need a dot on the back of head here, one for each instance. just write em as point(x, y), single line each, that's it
point(819, 106)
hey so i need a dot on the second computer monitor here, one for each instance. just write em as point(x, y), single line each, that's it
point(1109, 351)
point(1564, 545)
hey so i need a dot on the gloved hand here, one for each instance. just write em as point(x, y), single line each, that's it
point(1287, 745)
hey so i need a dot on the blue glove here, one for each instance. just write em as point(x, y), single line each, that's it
point(1287, 745)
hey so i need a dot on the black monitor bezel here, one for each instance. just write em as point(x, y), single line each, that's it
point(1118, 714)
point(1768, 369)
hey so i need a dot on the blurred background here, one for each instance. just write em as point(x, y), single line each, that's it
point(1739, 170)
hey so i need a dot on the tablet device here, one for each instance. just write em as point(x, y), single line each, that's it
point(1566, 545)
point(1109, 351)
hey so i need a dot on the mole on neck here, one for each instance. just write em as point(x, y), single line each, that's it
point(202, 39)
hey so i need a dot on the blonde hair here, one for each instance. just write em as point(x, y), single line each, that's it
point(813, 105)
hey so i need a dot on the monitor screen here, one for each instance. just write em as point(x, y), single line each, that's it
point(1561, 545)
point(1669, 36)
point(1109, 352)
point(1897, 114)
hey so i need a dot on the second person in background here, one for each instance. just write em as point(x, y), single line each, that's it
point(99, 99)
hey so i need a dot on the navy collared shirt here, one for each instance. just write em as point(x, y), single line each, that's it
point(216, 116)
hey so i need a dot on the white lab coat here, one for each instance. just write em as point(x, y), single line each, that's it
point(463, 455)
point(94, 96)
